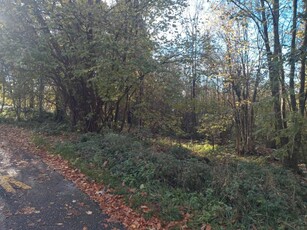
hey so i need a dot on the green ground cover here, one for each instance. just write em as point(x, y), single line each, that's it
point(229, 192)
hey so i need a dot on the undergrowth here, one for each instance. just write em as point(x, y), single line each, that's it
point(227, 192)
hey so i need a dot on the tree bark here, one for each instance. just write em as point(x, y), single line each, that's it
point(3, 94)
point(302, 93)
point(293, 58)
point(41, 89)
point(294, 153)
point(273, 63)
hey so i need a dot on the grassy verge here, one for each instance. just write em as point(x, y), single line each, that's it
point(227, 193)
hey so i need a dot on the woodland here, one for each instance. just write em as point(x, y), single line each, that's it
point(199, 107)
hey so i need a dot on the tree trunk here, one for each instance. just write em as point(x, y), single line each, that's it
point(41, 89)
point(273, 63)
point(293, 154)
point(140, 99)
point(3, 94)
point(292, 58)
point(18, 108)
point(302, 93)
point(59, 108)
point(125, 112)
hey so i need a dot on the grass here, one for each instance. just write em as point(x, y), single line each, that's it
point(200, 149)
point(230, 192)
point(41, 142)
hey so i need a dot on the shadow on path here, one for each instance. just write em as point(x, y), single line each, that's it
point(47, 201)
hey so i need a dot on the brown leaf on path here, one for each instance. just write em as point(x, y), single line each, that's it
point(27, 211)
point(206, 227)
point(145, 209)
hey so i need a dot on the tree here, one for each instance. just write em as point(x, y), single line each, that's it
point(267, 16)
point(94, 56)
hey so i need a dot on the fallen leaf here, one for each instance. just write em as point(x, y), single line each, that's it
point(145, 209)
point(101, 192)
point(206, 227)
point(27, 211)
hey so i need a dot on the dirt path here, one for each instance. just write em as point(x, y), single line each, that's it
point(35, 196)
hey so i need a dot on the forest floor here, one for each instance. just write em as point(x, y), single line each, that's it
point(153, 183)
